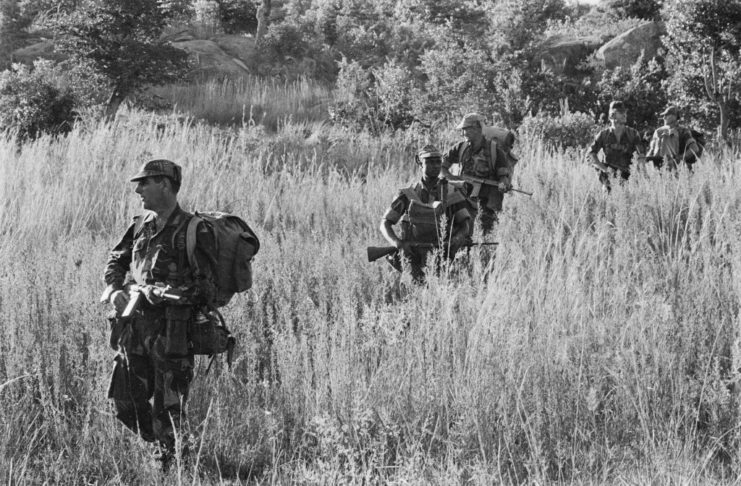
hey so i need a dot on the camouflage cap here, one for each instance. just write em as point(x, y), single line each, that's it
point(429, 152)
point(160, 167)
point(670, 110)
point(471, 119)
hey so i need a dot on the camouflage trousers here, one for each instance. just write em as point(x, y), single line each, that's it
point(149, 386)
point(605, 178)
point(486, 211)
point(416, 260)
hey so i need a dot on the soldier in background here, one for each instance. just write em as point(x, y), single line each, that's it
point(154, 360)
point(673, 144)
point(433, 214)
point(618, 143)
point(483, 158)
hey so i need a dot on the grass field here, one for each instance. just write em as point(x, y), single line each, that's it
point(598, 348)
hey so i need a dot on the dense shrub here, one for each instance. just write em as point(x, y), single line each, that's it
point(639, 87)
point(570, 129)
point(237, 15)
point(31, 103)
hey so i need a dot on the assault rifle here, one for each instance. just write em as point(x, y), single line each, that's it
point(136, 293)
point(489, 182)
point(376, 252)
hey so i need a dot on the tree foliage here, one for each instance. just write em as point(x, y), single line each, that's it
point(32, 104)
point(640, 9)
point(704, 56)
point(639, 87)
point(120, 39)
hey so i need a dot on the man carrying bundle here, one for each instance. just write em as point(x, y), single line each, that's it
point(433, 214)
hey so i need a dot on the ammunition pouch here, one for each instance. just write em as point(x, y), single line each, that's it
point(209, 335)
point(177, 318)
point(420, 223)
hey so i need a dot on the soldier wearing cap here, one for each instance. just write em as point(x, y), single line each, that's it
point(154, 361)
point(482, 158)
point(673, 144)
point(618, 144)
point(432, 213)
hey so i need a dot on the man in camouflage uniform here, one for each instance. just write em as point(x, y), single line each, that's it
point(432, 213)
point(482, 158)
point(618, 143)
point(672, 144)
point(154, 360)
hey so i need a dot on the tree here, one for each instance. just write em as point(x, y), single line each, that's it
point(704, 54)
point(263, 19)
point(639, 9)
point(120, 40)
point(32, 104)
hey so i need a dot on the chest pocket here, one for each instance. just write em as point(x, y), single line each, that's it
point(481, 164)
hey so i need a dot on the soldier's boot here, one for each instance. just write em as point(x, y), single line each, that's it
point(138, 419)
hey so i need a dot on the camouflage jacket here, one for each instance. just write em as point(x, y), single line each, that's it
point(151, 257)
point(455, 208)
point(488, 162)
point(618, 153)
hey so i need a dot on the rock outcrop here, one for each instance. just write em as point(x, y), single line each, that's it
point(625, 49)
point(562, 54)
point(211, 59)
point(229, 55)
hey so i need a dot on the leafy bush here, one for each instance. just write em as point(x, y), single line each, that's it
point(31, 103)
point(237, 16)
point(639, 87)
point(570, 129)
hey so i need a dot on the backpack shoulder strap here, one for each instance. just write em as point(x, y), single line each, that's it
point(190, 240)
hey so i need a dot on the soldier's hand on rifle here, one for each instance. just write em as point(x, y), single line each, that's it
point(403, 246)
point(152, 293)
point(119, 299)
point(504, 186)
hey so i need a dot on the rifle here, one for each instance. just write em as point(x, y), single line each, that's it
point(376, 252)
point(489, 182)
point(136, 292)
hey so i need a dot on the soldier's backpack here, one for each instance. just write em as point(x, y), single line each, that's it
point(236, 245)
point(505, 139)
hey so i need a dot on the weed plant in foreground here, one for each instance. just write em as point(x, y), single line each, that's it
point(599, 348)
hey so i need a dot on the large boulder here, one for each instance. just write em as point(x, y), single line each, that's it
point(41, 49)
point(625, 49)
point(211, 59)
point(562, 54)
point(238, 46)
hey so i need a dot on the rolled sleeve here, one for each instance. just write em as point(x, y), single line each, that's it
point(119, 261)
point(398, 207)
point(597, 144)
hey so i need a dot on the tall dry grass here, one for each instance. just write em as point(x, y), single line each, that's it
point(250, 100)
point(598, 348)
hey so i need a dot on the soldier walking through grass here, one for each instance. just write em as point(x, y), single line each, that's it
point(433, 214)
point(672, 144)
point(148, 276)
point(482, 158)
point(618, 143)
